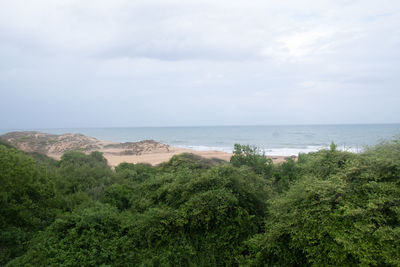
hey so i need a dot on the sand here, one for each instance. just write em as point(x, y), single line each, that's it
point(147, 151)
point(159, 157)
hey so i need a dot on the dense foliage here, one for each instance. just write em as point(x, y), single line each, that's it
point(327, 208)
point(26, 201)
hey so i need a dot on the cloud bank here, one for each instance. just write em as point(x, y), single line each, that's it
point(157, 63)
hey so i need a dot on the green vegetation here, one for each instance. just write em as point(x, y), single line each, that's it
point(328, 208)
point(26, 199)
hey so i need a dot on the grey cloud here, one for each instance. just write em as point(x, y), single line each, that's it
point(131, 63)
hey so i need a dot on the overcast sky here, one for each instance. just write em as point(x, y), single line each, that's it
point(75, 63)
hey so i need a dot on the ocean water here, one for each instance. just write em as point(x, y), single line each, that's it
point(273, 140)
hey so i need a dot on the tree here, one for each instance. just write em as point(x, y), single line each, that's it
point(90, 236)
point(251, 157)
point(84, 173)
point(346, 215)
point(26, 201)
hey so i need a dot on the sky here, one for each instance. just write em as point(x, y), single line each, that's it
point(120, 63)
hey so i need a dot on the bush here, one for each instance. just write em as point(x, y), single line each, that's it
point(345, 213)
point(251, 157)
point(84, 173)
point(136, 173)
point(189, 161)
point(90, 236)
point(329, 208)
point(198, 217)
point(26, 200)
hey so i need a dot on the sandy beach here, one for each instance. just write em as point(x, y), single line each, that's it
point(157, 157)
point(146, 151)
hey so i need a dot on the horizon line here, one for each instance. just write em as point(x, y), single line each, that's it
point(200, 126)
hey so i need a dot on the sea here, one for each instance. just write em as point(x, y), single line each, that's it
point(280, 140)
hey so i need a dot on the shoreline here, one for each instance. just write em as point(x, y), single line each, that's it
point(146, 151)
point(159, 157)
